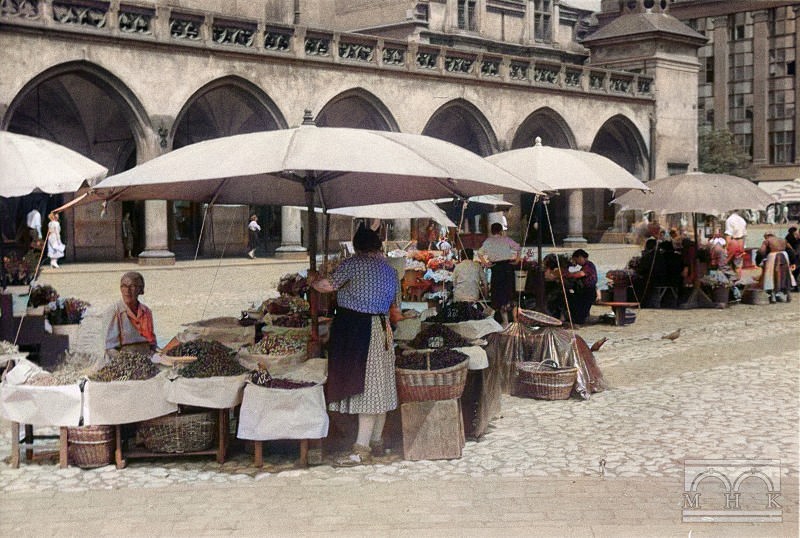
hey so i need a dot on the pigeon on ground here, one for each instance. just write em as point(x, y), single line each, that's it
point(673, 335)
point(597, 345)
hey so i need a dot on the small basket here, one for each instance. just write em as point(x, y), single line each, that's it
point(90, 446)
point(179, 433)
point(532, 318)
point(426, 385)
point(535, 381)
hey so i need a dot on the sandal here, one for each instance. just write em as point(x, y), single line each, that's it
point(359, 455)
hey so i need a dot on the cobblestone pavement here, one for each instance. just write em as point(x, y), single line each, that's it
point(727, 388)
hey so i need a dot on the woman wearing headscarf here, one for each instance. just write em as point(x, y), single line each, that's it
point(583, 293)
point(361, 376)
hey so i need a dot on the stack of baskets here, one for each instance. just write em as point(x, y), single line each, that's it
point(426, 385)
point(179, 433)
point(90, 446)
point(543, 382)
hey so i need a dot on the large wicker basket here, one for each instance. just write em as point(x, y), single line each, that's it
point(90, 446)
point(178, 433)
point(543, 383)
point(425, 385)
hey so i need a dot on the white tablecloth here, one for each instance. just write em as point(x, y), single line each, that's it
point(220, 392)
point(478, 360)
point(267, 414)
point(122, 402)
point(41, 406)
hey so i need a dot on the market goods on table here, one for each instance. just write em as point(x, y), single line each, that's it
point(434, 360)
point(262, 378)
point(438, 334)
point(419, 379)
point(459, 311)
point(278, 344)
point(275, 413)
point(127, 366)
point(123, 402)
point(285, 304)
point(74, 368)
point(38, 405)
point(213, 359)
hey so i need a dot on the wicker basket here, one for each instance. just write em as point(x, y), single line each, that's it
point(535, 381)
point(178, 433)
point(90, 446)
point(425, 385)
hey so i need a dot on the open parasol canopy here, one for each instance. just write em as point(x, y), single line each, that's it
point(336, 167)
point(29, 164)
point(697, 192)
point(789, 193)
point(423, 209)
point(547, 169)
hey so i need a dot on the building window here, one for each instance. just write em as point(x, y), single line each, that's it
point(674, 169)
point(781, 147)
point(466, 15)
point(542, 14)
point(709, 69)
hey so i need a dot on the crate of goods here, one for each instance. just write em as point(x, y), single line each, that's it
point(178, 433)
point(431, 375)
point(544, 382)
point(90, 446)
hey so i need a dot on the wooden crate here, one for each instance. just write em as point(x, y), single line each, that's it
point(432, 430)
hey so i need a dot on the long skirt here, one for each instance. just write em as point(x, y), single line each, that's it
point(380, 390)
point(502, 289)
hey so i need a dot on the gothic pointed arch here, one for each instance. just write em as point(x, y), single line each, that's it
point(463, 124)
point(85, 108)
point(547, 124)
point(224, 107)
point(620, 140)
point(357, 108)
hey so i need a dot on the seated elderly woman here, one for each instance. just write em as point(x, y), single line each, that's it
point(131, 325)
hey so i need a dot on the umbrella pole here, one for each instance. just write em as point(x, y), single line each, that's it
point(327, 234)
point(313, 295)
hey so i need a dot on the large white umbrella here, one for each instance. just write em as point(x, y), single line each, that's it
point(321, 166)
point(422, 209)
point(546, 169)
point(29, 164)
point(788, 193)
point(697, 192)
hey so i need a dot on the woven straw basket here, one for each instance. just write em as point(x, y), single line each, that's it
point(425, 385)
point(542, 383)
point(90, 446)
point(178, 433)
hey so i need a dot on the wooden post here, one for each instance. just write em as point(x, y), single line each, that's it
point(258, 453)
point(304, 452)
point(63, 454)
point(14, 445)
point(28, 442)
point(222, 433)
point(118, 448)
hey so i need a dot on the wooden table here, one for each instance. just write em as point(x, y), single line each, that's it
point(619, 308)
point(28, 440)
point(223, 420)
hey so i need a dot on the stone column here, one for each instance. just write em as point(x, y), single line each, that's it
point(156, 249)
point(291, 226)
point(575, 219)
point(796, 10)
point(721, 73)
point(760, 98)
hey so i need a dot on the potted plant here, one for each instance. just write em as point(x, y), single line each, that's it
point(20, 271)
point(39, 297)
point(65, 316)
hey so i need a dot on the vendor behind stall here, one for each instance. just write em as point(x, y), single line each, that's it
point(469, 280)
point(361, 376)
point(500, 253)
point(131, 325)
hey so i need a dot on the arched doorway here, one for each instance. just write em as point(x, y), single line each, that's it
point(225, 107)
point(83, 107)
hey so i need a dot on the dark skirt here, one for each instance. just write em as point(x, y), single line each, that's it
point(347, 353)
point(252, 239)
point(502, 292)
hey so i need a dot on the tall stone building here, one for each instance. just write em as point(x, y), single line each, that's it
point(125, 81)
point(748, 82)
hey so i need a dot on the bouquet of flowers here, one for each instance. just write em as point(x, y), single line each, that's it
point(20, 271)
point(68, 311)
point(716, 279)
point(42, 295)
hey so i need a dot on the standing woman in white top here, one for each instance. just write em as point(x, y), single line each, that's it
point(55, 248)
point(253, 229)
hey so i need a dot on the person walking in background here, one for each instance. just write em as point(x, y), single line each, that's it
point(253, 231)
point(55, 247)
point(34, 222)
point(127, 235)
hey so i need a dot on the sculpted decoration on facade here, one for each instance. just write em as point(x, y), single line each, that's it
point(28, 9)
point(79, 14)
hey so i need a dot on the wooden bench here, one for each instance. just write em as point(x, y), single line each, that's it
point(619, 308)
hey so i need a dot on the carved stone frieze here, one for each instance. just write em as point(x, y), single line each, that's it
point(276, 41)
point(490, 68)
point(393, 56)
point(356, 51)
point(456, 64)
point(184, 29)
point(136, 23)
point(79, 14)
point(27, 9)
point(317, 46)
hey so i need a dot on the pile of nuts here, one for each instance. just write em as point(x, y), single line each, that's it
point(213, 359)
point(127, 366)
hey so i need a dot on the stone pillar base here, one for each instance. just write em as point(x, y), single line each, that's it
point(291, 253)
point(156, 257)
point(575, 241)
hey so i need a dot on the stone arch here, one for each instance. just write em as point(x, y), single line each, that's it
point(753, 474)
point(711, 473)
point(359, 109)
point(88, 109)
point(620, 140)
point(547, 124)
point(71, 104)
point(463, 124)
point(226, 106)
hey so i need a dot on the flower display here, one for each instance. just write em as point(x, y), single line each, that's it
point(20, 271)
point(42, 295)
point(716, 279)
point(69, 311)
